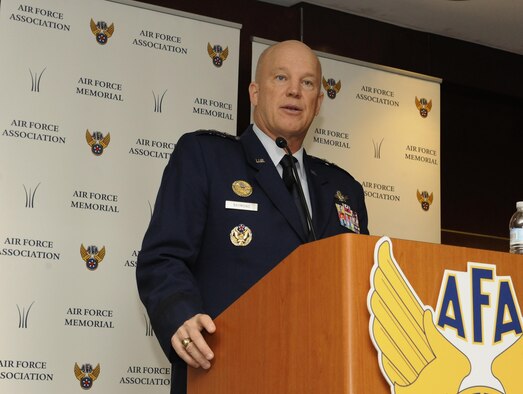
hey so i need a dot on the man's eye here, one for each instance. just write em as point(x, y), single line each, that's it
point(308, 83)
point(280, 77)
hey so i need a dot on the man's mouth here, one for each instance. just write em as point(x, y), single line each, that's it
point(291, 108)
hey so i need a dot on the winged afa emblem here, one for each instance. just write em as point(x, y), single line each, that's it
point(92, 256)
point(331, 86)
point(101, 31)
point(97, 141)
point(423, 106)
point(217, 54)
point(86, 375)
point(425, 199)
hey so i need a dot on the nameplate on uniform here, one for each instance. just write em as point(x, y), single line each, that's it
point(243, 206)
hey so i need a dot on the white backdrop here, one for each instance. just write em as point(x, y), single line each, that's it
point(373, 128)
point(123, 81)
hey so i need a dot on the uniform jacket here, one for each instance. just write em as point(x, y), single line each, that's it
point(188, 264)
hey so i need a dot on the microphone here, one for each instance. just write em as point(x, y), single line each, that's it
point(282, 143)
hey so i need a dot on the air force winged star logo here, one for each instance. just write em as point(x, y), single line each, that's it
point(101, 31)
point(97, 141)
point(425, 199)
point(416, 356)
point(331, 86)
point(92, 256)
point(217, 54)
point(86, 374)
point(423, 106)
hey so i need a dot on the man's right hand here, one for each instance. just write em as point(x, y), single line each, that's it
point(189, 344)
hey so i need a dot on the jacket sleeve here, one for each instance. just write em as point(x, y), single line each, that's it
point(172, 242)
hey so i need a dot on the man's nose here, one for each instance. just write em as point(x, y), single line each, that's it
point(294, 89)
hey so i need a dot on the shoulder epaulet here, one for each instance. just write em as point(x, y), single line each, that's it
point(329, 164)
point(217, 134)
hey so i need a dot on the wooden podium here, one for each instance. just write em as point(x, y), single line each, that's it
point(304, 327)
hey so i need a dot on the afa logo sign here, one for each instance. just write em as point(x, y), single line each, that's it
point(97, 141)
point(425, 199)
point(101, 31)
point(331, 86)
point(424, 106)
point(86, 374)
point(217, 54)
point(92, 256)
point(471, 344)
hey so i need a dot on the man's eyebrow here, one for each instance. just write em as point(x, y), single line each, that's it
point(285, 70)
point(279, 69)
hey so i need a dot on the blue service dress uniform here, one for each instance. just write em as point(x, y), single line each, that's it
point(188, 264)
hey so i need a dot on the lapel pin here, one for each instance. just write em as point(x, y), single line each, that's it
point(241, 235)
point(241, 188)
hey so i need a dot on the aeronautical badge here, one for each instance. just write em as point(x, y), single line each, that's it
point(86, 374)
point(97, 141)
point(331, 86)
point(423, 106)
point(241, 235)
point(340, 196)
point(241, 188)
point(348, 218)
point(217, 54)
point(101, 31)
point(92, 256)
point(425, 200)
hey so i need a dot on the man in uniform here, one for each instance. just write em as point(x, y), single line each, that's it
point(224, 217)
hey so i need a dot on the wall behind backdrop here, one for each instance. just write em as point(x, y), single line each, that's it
point(481, 96)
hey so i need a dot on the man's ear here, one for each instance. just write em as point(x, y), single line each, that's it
point(253, 93)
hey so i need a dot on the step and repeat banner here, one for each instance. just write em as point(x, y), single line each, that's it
point(383, 126)
point(93, 97)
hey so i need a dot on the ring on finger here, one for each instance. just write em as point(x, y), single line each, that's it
point(186, 342)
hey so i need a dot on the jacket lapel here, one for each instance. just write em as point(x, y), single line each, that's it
point(269, 180)
point(321, 201)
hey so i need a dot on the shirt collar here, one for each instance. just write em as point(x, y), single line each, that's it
point(276, 153)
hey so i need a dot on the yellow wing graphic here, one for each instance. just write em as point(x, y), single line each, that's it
point(94, 375)
point(325, 84)
point(337, 87)
point(78, 372)
point(418, 103)
point(105, 141)
point(89, 138)
point(507, 367)
point(225, 54)
point(414, 356)
point(109, 31)
point(84, 253)
point(94, 28)
point(210, 51)
point(100, 255)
